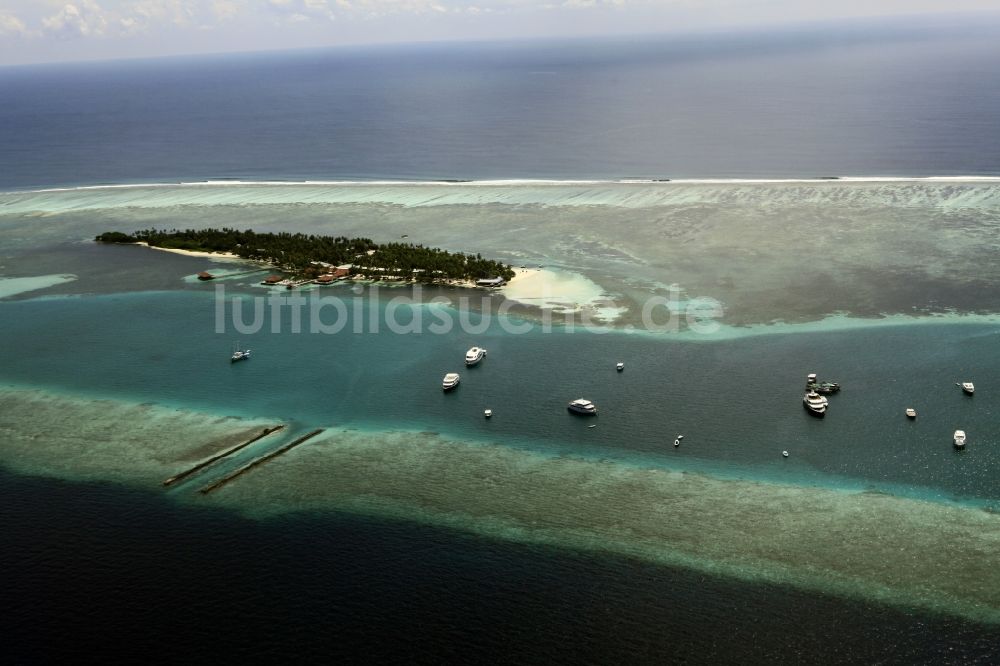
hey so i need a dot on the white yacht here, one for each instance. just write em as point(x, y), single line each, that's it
point(815, 403)
point(474, 356)
point(911, 413)
point(239, 354)
point(968, 388)
point(959, 439)
point(488, 413)
point(620, 366)
point(450, 381)
point(582, 406)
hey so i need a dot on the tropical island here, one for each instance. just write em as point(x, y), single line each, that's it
point(308, 256)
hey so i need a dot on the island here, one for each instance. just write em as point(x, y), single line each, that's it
point(324, 258)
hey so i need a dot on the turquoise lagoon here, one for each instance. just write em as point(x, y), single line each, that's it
point(133, 338)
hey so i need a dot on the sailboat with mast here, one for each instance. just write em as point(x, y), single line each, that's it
point(239, 354)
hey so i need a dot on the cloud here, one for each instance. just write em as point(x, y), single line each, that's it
point(300, 11)
point(11, 25)
point(151, 12)
point(225, 9)
point(84, 19)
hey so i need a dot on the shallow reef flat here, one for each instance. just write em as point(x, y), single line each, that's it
point(861, 544)
point(82, 439)
point(909, 553)
point(767, 251)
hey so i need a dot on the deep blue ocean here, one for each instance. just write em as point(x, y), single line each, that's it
point(852, 102)
point(106, 571)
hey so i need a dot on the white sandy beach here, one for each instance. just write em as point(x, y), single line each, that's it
point(561, 292)
point(227, 256)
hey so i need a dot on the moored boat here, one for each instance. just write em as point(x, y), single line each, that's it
point(815, 403)
point(474, 356)
point(450, 381)
point(239, 354)
point(813, 384)
point(620, 366)
point(959, 439)
point(968, 388)
point(911, 413)
point(582, 406)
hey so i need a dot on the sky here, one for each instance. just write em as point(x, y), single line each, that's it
point(34, 31)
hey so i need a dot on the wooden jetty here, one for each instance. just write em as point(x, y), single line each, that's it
point(219, 456)
point(257, 461)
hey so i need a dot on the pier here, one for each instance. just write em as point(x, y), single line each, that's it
point(257, 461)
point(228, 452)
point(251, 271)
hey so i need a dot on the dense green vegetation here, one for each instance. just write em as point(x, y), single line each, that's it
point(297, 252)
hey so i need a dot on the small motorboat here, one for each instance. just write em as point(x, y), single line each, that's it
point(784, 454)
point(959, 439)
point(968, 388)
point(474, 356)
point(815, 403)
point(450, 381)
point(911, 413)
point(582, 406)
point(620, 366)
point(677, 442)
point(592, 425)
point(239, 354)
point(813, 384)
point(488, 413)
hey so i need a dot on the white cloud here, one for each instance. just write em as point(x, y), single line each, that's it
point(147, 13)
point(225, 9)
point(11, 25)
point(84, 19)
point(300, 11)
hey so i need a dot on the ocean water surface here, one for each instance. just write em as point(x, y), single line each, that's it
point(414, 528)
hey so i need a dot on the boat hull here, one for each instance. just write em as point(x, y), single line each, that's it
point(471, 360)
point(819, 412)
point(579, 410)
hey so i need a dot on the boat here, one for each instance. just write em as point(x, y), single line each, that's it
point(784, 454)
point(968, 388)
point(582, 406)
point(450, 381)
point(474, 356)
point(959, 439)
point(488, 413)
point(911, 413)
point(239, 354)
point(815, 403)
point(813, 384)
point(620, 366)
